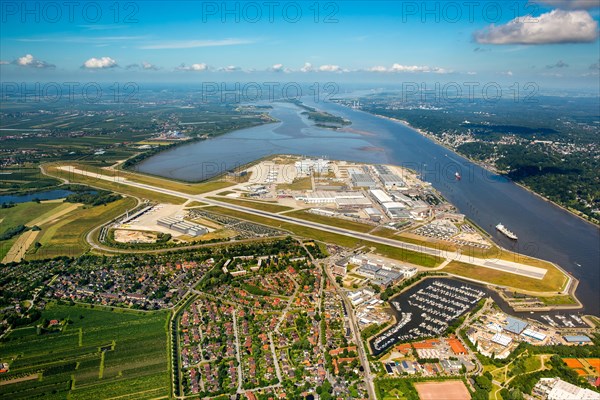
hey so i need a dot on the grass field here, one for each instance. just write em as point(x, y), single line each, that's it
point(553, 281)
point(298, 184)
point(193, 204)
point(67, 236)
point(262, 206)
point(342, 240)
point(24, 180)
point(20, 246)
point(22, 214)
point(188, 188)
point(135, 356)
point(557, 300)
point(337, 222)
point(113, 186)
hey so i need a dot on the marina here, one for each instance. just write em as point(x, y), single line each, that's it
point(426, 310)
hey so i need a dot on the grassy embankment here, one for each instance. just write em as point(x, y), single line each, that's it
point(342, 240)
point(262, 206)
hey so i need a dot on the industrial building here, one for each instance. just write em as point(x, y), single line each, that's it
point(179, 225)
point(515, 325)
point(501, 339)
point(306, 166)
point(533, 334)
point(324, 197)
point(391, 181)
point(557, 389)
point(362, 180)
point(380, 196)
point(577, 339)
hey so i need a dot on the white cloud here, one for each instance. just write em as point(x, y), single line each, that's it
point(330, 68)
point(230, 68)
point(556, 26)
point(307, 67)
point(278, 68)
point(569, 4)
point(148, 66)
point(190, 44)
point(411, 68)
point(4, 62)
point(199, 67)
point(378, 68)
point(100, 63)
point(30, 61)
point(507, 73)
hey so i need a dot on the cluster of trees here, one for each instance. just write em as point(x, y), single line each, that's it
point(483, 386)
point(12, 232)
point(255, 290)
point(568, 179)
point(89, 196)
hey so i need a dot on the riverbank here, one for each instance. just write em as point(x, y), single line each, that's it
point(488, 168)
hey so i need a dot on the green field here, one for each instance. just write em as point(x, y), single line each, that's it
point(262, 206)
point(21, 214)
point(116, 187)
point(24, 180)
point(134, 363)
point(171, 184)
point(298, 184)
point(341, 240)
point(553, 281)
point(67, 236)
point(337, 222)
point(557, 300)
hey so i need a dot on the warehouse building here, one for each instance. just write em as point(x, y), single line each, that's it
point(515, 325)
point(362, 180)
point(577, 339)
point(557, 389)
point(391, 181)
point(181, 226)
point(306, 166)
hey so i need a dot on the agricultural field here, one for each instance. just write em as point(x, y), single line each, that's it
point(89, 354)
point(27, 214)
point(67, 235)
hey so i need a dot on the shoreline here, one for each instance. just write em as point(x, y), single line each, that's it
point(485, 166)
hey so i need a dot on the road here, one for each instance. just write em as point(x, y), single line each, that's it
point(497, 264)
point(237, 351)
point(364, 361)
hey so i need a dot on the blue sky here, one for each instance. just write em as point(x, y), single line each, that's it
point(555, 42)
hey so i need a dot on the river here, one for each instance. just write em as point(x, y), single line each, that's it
point(545, 230)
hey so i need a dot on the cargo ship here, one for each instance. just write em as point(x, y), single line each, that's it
point(506, 232)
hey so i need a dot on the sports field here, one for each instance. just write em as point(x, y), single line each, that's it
point(448, 390)
point(99, 354)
